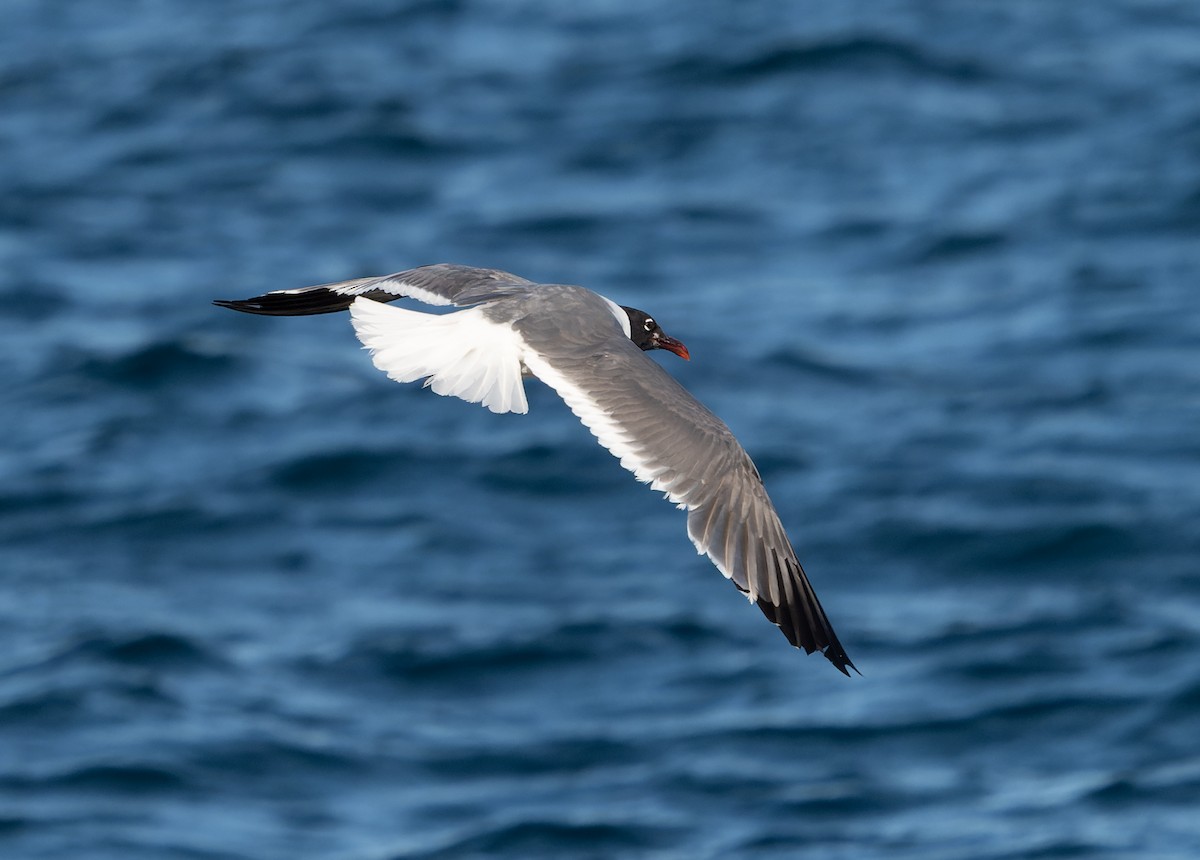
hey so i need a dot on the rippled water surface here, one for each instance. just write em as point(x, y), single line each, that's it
point(936, 264)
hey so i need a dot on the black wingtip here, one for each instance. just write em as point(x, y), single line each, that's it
point(246, 306)
point(803, 622)
point(836, 655)
point(297, 304)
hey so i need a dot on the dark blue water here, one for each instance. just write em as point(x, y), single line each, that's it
point(937, 267)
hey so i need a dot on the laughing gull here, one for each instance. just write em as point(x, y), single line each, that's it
point(589, 350)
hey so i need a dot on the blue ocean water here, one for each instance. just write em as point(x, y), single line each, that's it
point(936, 264)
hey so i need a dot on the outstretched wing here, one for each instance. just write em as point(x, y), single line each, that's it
point(440, 284)
point(668, 439)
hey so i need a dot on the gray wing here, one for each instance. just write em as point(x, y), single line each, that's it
point(669, 439)
point(440, 284)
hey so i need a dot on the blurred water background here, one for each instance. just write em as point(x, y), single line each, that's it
point(937, 266)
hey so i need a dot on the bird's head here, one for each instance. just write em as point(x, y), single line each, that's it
point(647, 334)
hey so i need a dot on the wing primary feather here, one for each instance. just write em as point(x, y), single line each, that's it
point(773, 579)
point(759, 570)
point(808, 600)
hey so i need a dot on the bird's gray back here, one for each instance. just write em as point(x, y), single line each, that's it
point(561, 321)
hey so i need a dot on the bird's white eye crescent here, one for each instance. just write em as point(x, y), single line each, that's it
point(649, 324)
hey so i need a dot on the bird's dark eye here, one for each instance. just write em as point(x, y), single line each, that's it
point(649, 324)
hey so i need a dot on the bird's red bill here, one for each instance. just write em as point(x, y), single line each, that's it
point(674, 346)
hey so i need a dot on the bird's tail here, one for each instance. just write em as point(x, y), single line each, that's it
point(460, 354)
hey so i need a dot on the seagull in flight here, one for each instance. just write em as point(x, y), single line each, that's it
point(589, 350)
